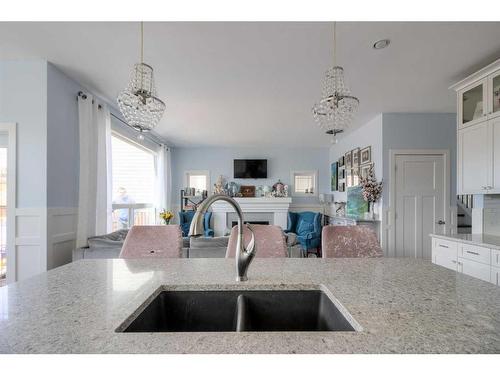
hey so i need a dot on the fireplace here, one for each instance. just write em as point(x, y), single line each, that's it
point(262, 222)
point(256, 211)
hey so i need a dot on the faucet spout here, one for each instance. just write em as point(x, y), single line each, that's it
point(244, 255)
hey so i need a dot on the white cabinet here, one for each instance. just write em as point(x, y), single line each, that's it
point(472, 107)
point(477, 261)
point(474, 269)
point(495, 276)
point(478, 107)
point(473, 159)
point(494, 130)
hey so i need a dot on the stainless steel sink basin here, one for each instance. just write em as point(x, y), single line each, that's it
point(239, 310)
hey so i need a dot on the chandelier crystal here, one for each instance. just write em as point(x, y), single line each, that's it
point(138, 103)
point(337, 106)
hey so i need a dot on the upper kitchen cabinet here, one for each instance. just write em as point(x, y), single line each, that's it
point(494, 94)
point(471, 104)
point(478, 108)
point(478, 96)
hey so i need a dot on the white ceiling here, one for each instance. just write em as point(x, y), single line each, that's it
point(253, 84)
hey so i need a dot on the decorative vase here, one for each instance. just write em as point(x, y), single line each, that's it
point(167, 222)
point(372, 210)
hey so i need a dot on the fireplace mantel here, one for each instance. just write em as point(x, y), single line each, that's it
point(276, 206)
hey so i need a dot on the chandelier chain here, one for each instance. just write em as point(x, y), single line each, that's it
point(334, 43)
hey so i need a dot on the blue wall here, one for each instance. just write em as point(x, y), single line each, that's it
point(23, 100)
point(280, 162)
point(62, 139)
point(420, 131)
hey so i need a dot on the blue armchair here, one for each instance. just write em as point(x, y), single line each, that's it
point(185, 219)
point(307, 226)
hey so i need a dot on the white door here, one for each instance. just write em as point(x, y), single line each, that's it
point(419, 203)
point(473, 159)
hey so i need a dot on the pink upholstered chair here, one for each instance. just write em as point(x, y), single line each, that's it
point(269, 241)
point(355, 241)
point(153, 241)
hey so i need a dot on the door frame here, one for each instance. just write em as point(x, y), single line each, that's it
point(391, 228)
point(11, 129)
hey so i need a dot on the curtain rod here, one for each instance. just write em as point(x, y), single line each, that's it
point(149, 136)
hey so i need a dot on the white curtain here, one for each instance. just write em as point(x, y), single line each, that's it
point(163, 180)
point(94, 200)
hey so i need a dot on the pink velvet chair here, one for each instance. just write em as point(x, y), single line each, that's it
point(355, 241)
point(153, 241)
point(269, 241)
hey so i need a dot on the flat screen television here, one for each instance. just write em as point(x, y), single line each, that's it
point(250, 168)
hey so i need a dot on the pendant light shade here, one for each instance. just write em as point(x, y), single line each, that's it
point(138, 103)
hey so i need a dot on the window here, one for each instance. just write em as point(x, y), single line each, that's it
point(304, 183)
point(199, 180)
point(133, 183)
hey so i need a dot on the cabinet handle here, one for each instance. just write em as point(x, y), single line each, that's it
point(444, 246)
point(472, 252)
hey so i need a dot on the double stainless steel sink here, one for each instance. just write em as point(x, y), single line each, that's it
point(239, 311)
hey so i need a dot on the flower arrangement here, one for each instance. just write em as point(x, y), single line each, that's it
point(372, 190)
point(166, 216)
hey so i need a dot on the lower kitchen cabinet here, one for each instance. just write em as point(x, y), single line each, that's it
point(477, 261)
point(475, 269)
point(495, 276)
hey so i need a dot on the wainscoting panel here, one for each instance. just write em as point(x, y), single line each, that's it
point(61, 239)
point(30, 242)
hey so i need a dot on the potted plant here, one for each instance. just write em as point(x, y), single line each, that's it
point(372, 190)
point(166, 216)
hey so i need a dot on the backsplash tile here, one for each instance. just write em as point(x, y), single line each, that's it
point(491, 214)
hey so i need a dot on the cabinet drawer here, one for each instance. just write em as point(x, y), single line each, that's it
point(444, 245)
point(495, 275)
point(444, 253)
point(475, 253)
point(495, 258)
point(445, 259)
point(475, 269)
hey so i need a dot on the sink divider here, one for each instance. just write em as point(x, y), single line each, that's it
point(241, 313)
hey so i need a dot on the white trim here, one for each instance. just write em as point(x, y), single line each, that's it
point(391, 212)
point(10, 129)
point(61, 235)
point(312, 172)
point(480, 74)
point(31, 232)
point(197, 172)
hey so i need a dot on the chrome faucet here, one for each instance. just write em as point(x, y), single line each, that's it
point(243, 256)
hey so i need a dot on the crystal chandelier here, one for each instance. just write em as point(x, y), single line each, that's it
point(336, 108)
point(138, 103)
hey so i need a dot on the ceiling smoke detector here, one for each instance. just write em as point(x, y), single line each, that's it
point(381, 44)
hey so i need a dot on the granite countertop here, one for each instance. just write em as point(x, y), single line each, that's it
point(403, 306)
point(487, 240)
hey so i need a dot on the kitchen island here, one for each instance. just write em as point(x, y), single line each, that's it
point(402, 305)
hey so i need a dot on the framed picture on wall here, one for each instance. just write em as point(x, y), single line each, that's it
point(355, 176)
point(341, 174)
point(348, 178)
point(348, 159)
point(341, 162)
point(355, 158)
point(334, 176)
point(365, 169)
point(341, 186)
point(366, 155)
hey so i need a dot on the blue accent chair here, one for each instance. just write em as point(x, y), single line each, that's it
point(307, 226)
point(185, 219)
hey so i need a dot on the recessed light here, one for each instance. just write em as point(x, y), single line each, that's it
point(380, 44)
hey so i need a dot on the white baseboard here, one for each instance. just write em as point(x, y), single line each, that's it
point(61, 235)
